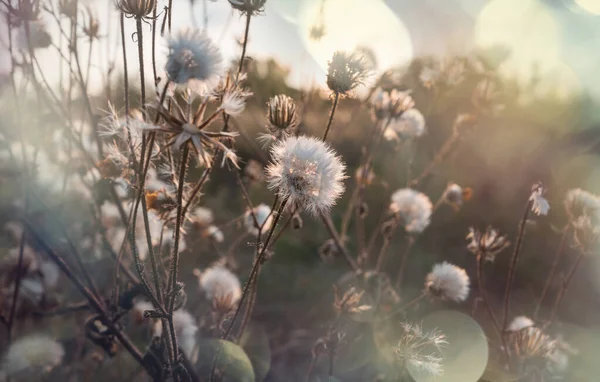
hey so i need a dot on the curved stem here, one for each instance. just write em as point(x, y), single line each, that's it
point(336, 100)
point(338, 242)
point(484, 297)
point(400, 277)
point(565, 286)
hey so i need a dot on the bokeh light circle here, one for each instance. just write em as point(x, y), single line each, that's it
point(591, 6)
point(465, 356)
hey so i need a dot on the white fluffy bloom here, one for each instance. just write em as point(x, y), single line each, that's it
point(220, 283)
point(306, 172)
point(264, 218)
point(539, 205)
point(519, 323)
point(411, 124)
point(414, 209)
point(448, 282)
point(202, 216)
point(234, 102)
point(32, 355)
point(192, 56)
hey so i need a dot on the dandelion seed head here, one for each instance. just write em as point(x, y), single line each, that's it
point(32, 355)
point(346, 71)
point(414, 209)
point(215, 233)
point(519, 323)
point(579, 202)
point(448, 282)
point(455, 195)
point(185, 329)
point(202, 216)
point(264, 218)
point(306, 172)
point(220, 283)
point(193, 56)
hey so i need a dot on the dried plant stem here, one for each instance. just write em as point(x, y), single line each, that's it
point(557, 258)
point(565, 285)
point(336, 100)
point(338, 242)
point(387, 241)
point(404, 261)
point(244, 45)
point(15, 296)
point(484, 297)
point(513, 264)
point(140, 44)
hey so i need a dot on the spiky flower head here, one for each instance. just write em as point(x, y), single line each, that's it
point(410, 125)
point(282, 114)
point(193, 56)
point(413, 208)
point(539, 205)
point(249, 7)
point(487, 244)
point(307, 173)
point(448, 282)
point(420, 350)
point(264, 219)
point(136, 8)
point(31, 356)
point(345, 72)
point(220, 283)
point(388, 105)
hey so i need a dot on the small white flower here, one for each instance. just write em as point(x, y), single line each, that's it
point(31, 356)
point(264, 218)
point(192, 56)
point(306, 172)
point(448, 282)
point(234, 101)
point(539, 205)
point(220, 283)
point(410, 125)
point(413, 208)
point(519, 323)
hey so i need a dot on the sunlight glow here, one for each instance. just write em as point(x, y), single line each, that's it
point(591, 6)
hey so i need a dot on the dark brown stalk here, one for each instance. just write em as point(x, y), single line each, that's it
point(336, 99)
point(244, 45)
point(565, 285)
point(387, 241)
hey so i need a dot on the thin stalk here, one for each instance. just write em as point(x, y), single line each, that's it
point(15, 297)
point(387, 241)
point(513, 264)
point(557, 258)
point(244, 45)
point(338, 242)
point(336, 100)
point(565, 285)
point(311, 366)
point(140, 44)
point(404, 261)
point(484, 297)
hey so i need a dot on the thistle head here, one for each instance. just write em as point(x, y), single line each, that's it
point(282, 114)
point(487, 244)
point(249, 7)
point(136, 8)
point(345, 72)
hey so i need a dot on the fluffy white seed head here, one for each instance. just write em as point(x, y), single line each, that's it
point(410, 125)
point(519, 323)
point(220, 283)
point(413, 208)
point(306, 172)
point(192, 56)
point(448, 282)
point(32, 355)
point(264, 218)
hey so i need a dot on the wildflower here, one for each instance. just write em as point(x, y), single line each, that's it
point(388, 105)
point(421, 351)
point(539, 205)
point(220, 283)
point(306, 172)
point(455, 195)
point(579, 202)
point(413, 208)
point(282, 114)
point(192, 56)
point(448, 282)
point(488, 244)
point(264, 218)
point(31, 356)
point(519, 323)
point(345, 72)
point(136, 8)
point(349, 302)
point(410, 125)
point(250, 7)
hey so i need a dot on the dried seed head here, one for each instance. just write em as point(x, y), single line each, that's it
point(136, 8)
point(409, 125)
point(193, 56)
point(488, 244)
point(392, 104)
point(421, 350)
point(539, 205)
point(92, 27)
point(68, 8)
point(249, 7)
point(447, 282)
point(362, 177)
point(264, 219)
point(282, 114)
point(456, 195)
point(345, 72)
point(218, 282)
point(30, 356)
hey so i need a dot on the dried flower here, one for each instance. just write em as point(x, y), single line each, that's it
point(220, 283)
point(136, 8)
point(31, 356)
point(349, 302)
point(448, 282)
point(388, 105)
point(519, 323)
point(579, 203)
point(421, 351)
point(264, 218)
point(368, 175)
point(539, 205)
point(193, 56)
point(413, 208)
point(488, 244)
point(306, 172)
point(250, 7)
point(215, 233)
point(455, 195)
point(345, 72)
point(410, 125)
point(282, 114)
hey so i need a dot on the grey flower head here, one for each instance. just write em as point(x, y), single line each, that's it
point(345, 72)
point(249, 7)
point(136, 8)
point(488, 244)
point(192, 56)
point(306, 172)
